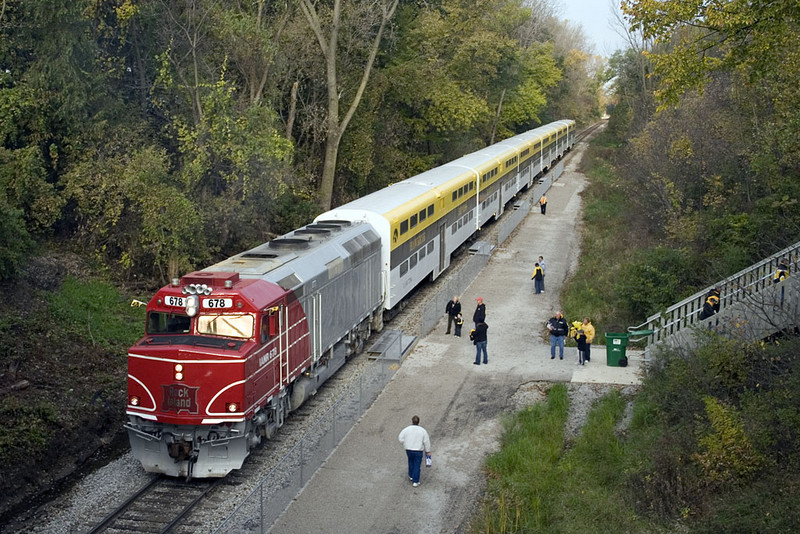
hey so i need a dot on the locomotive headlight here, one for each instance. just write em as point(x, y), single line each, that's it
point(231, 407)
point(134, 400)
point(178, 371)
point(192, 305)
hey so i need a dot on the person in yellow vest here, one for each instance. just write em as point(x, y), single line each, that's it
point(711, 304)
point(782, 272)
point(543, 204)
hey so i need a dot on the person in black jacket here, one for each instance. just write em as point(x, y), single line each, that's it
point(479, 338)
point(452, 310)
point(711, 304)
point(538, 278)
point(558, 331)
point(480, 312)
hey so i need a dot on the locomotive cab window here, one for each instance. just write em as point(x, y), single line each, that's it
point(269, 326)
point(240, 326)
point(168, 323)
point(413, 220)
point(404, 226)
point(430, 210)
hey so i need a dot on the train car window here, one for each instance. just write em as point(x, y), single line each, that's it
point(430, 247)
point(421, 253)
point(422, 215)
point(454, 229)
point(240, 326)
point(525, 152)
point(430, 210)
point(404, 226)
point(471, 186)
point(455, 196)
point(413, 220)
point(413, 260)
point(403, 268)
point(168, 323)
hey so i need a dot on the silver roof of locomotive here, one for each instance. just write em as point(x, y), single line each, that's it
point(316, 250)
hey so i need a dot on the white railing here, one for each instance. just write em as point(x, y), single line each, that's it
point(749, 297)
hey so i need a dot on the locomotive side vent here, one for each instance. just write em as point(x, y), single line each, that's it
point(289, 243)
point(259, 255)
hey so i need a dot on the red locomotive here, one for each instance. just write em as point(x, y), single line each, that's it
point(231, 350)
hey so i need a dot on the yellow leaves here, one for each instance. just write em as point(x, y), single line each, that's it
point(681, 149)
point(716, 192)
point(729, 455)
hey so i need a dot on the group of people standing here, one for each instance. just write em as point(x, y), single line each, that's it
point(583, 333)
point(478, 333)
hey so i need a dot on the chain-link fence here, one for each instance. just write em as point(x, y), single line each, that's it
point(270, 498)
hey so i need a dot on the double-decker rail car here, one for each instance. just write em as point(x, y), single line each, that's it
point(230, 350)
point(422, 220)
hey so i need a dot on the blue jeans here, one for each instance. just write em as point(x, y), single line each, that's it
point(414, 463)
point(481, 346)
point(556, 340)
point(538, 285)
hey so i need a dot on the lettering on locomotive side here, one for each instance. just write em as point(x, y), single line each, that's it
point(178, 398)
point(268, 356)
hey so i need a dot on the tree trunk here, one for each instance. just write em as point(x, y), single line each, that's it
point(329, 48)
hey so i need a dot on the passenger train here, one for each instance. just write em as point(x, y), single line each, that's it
point(230, 350)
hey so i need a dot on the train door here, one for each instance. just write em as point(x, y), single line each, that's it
point(442, 246)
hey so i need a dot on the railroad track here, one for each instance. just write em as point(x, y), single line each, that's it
point(158, 506)
point(580, 136)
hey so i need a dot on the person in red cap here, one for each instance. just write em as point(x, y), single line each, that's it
point(480, 312)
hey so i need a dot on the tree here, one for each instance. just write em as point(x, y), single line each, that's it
point(326, 24)
point(709, 36)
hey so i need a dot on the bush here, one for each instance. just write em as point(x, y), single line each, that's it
point(15, 242)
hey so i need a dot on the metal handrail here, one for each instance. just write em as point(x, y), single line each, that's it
point(735, 288)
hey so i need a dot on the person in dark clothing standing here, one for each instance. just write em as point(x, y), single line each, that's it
point(543, 204)
point(580, 339)
point(480, 312)
point(544, 270)
point(538, 278)
point(711, 304)
point(479, 338)
point(558, 330)
point(452, 310)
point(459, 324)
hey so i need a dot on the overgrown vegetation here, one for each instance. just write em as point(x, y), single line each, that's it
point(161, 135)
point(711, 446)
point(64, 362)
point(541, 482)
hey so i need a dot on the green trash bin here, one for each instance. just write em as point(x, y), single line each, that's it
point(615, 348)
